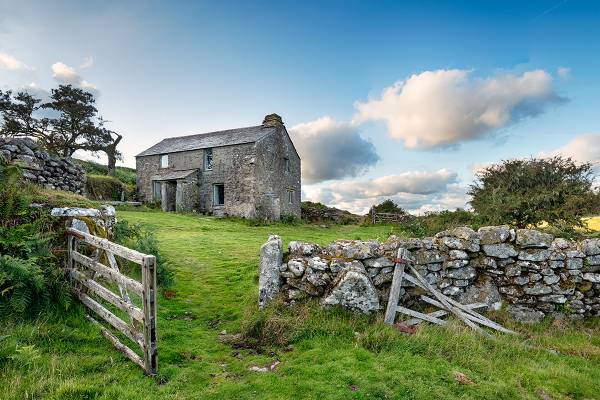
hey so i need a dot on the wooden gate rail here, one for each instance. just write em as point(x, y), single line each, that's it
point(142, 326)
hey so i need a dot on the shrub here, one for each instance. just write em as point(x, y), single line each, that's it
point(290, 219)
point(527, 192)
point(100, 187)
point(142, 239)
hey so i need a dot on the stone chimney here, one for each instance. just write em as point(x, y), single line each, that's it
point(272, 120)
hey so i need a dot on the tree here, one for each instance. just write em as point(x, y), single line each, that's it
point(111, 151)
point(530, 191)
point(388, 206)
point(63, 125)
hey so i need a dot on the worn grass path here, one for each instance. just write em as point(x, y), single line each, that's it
point(336, 355)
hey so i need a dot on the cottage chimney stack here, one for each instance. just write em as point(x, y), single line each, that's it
point(272, 120)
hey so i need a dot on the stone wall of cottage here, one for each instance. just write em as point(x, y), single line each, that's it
point(530, 273)
point(43, 168)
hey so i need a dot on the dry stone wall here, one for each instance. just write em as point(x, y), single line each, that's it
point(42, 168)
point(532, 273)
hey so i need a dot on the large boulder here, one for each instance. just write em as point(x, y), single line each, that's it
point(303, 248)
point(500, 250)
point(525, 315)
point(271, 259)
point(494, 234)
point(356, 249)
point(353, 290)
point(532, 238)
point(590, 247)
point(483, 291)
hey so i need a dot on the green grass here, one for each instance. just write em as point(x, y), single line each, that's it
point(335, 355)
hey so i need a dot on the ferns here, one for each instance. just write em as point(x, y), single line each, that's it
point(14, 201)
point(30, 281)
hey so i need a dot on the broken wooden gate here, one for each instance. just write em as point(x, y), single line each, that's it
point(464, 312)
point(86, 272)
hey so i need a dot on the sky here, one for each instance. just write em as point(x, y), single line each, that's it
point(400, 100)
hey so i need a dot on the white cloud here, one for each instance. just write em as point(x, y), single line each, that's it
point(11, 63)
point(412, 190)
point(444, 107)
point(66, 75)
point(583, 148)
point(564, 72)
point(331, 150)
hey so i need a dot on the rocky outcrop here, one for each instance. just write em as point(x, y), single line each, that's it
point(39, 167)
point(532, 273)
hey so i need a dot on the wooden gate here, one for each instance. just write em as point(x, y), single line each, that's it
point(87, 273)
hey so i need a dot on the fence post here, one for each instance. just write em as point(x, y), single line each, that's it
point(149, 299)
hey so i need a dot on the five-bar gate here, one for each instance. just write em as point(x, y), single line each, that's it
point(88, 273)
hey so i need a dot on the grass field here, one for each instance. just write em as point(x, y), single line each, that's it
point(334, 355)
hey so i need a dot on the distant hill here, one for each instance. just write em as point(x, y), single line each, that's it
point(124, 174)
point(320, 213)
point(100, 186)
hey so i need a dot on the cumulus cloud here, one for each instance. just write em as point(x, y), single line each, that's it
point(332, 150)
point(412, 190)
point(583, 148)
point(11, 63)
point(66, 75)
point(441, 108)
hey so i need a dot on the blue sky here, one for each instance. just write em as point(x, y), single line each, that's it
point(466, 83)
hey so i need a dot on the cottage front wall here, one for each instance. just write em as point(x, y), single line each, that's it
point(234, 167)
point(256, 183)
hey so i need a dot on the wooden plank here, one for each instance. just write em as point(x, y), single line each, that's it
point(99, 290)
point(474, 316)
point(424, 317)
point(111, 318)
point(106, 244)
point(112, 263)
point(108, 273)
point(457, 304)
point(390, 312)
point(456, 311)
point(117, 343)
point(439, 314)
point(149, 299)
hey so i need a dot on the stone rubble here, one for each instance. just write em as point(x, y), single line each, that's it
point(45, 169)
point(532, 273)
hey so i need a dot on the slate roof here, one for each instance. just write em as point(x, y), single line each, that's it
point(212, 139)
point(173, 175)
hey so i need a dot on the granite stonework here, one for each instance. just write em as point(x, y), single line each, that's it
point(258, 167)
point(42, 168)
point(531, 273)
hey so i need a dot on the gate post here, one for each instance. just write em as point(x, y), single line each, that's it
point(149, 299)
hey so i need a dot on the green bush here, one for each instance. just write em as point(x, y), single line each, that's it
point(100, 187)
point(142, 239)
point(528, 192)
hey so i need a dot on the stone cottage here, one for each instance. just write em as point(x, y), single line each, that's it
point(251, 172)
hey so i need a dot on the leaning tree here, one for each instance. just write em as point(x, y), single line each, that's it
point(528, 192)
point(68, 122)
